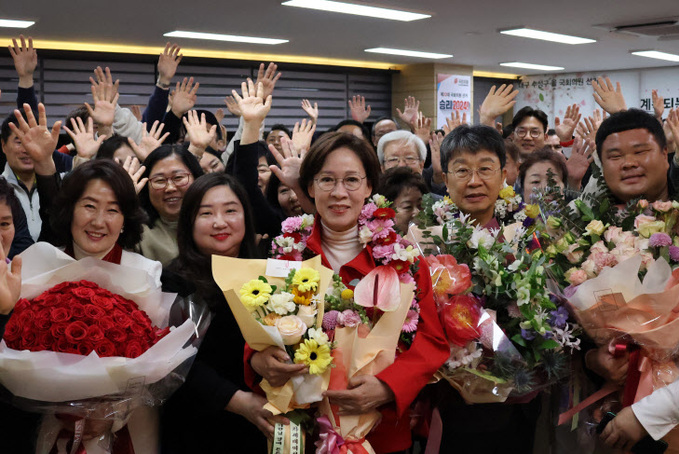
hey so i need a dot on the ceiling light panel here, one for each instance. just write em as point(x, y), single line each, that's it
point(547, 36)
point(657, 54)
point(220, 37)
point(408, 53)
point(11, 23)
point(517, 64)
point(358, 10)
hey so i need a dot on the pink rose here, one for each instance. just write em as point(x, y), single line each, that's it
point(624, 252)
point(603, 260)
point(577, 277)
point(599, 248)
point(612, 234)
point(662, 207)
point(589, 267)
point(627, 238)
point(643, 204)
point(572, 255)
point(642, 219)
point(348, 318)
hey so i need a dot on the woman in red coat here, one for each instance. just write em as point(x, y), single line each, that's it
point(339, 174)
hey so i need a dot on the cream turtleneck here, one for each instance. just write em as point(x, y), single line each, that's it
point(340, 247)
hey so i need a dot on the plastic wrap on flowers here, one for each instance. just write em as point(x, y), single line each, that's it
point(90, 386)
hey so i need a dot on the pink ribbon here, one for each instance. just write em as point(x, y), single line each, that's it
point(329, 440)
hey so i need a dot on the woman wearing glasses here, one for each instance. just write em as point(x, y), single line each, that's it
point(339, 174)
point(170, 170)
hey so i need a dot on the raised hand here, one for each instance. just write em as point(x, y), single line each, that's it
point(570, 121)
point(422, 127)
point(232, 105)
point(410, 109)
point(435, 146)
point(252, 105)
point(302, 134)
point(497, 102)
point(454, 121)
point(610, 99)
point(135, 170)
point(267, 78)
point(197, 132)
point(184, 97)
point(219, 115)
point(167, 64)
point(312, 112)
point(104, 97)
point(578, 162)
point(359, 112)
point(673, 124)
point(38, 141)
point(25, 60)
point(10, 282)
point(658, 104)
point(289, 162)
point(136, 111)
point(86, 145)
point(150, 140)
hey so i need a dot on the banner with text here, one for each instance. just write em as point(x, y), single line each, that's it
point(453, 93)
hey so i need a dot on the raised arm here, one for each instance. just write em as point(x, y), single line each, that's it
point(497, 102)
point(570, 121)
point(411, 107)
point(38, 141)
point(105, 98)
point(359, 111)
point(167, 67)
point(25, 61)
point(609, 98)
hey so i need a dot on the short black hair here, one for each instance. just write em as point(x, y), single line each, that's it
point(472, 139)
point(396, 179)
point(530, 112)
point(80, 112)
point(551, 132)
point(109, 146)
point(279, 127)
point(160, 153)
point(364, 128)
point(626, 120)
point(5, 131)
point(72, 189)
point(382, 119)
point(8, 196)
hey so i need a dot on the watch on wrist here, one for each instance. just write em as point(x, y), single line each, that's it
point(159, 84)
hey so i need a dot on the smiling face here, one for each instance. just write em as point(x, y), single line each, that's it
point(17, 158)
point(524, 132)
point(634, 165)
point(168, 201)
point(219, 227)
point(288, 201)
point(401, 153)
point(339, 208)
point(475, 196)
point(536, 178)
point(406, 205)
point(97, 219)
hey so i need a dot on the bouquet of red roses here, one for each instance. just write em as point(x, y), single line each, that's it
point(91, 342)
point(81, 317)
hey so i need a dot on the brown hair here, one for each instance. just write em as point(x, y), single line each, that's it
point(314, 160)
point(544, 155)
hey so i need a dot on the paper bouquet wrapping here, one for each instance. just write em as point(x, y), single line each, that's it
point(91, 387)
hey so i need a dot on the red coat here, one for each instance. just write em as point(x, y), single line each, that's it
point(412, 369)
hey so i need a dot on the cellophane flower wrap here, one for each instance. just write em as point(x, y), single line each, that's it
point(276, 306)
point(508, 336)
point(93, 341)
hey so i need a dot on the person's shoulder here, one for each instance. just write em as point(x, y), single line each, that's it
point(153, 267)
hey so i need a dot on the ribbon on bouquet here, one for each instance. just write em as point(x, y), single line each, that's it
point(331, 442)
point(287, 439)
point(71, 442)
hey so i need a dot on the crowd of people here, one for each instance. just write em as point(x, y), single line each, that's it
point(168, 190)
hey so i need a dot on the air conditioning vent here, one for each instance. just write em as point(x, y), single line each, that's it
point(663, 29)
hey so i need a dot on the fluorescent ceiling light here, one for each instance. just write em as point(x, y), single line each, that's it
point(230, 38)
point(516, 64)
point(11, 23)
point(657, 54)
point(547, 36)
point(407, 53)
point(358, 10)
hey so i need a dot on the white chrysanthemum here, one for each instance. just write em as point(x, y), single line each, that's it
point(282, 303)
point(520, 216)
point(481, 237)
point(307, 220)
point(286, 243)
point(365, 235)
point(379, 200)
point(407, 254)
point(318, 335)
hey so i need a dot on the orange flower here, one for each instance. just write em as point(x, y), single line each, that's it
point(270, 319)
point(302, 298)
point(447, 276)
point(460, 317)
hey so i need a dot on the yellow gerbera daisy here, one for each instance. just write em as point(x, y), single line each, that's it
point(255, 294)
point(317, 357)
point(306, 279)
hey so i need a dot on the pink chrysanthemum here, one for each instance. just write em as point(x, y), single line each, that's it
point(659, 240)
point(674, 253)
point(368, 210)
point(291, 224)
point(330, 320)
point(410, 324)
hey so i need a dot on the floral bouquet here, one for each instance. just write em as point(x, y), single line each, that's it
point(365, 325)
point(281, 308)
point(507, 335)
point(90, 342)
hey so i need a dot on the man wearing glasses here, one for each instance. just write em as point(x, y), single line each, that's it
point(530, 130)
point(401, 149)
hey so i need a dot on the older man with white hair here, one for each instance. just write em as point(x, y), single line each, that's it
point(402, 149)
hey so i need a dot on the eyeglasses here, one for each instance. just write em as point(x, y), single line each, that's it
point(351, 183)
point(465, 174)
point(534, 133)
point(178, 180)
point(409, 160)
